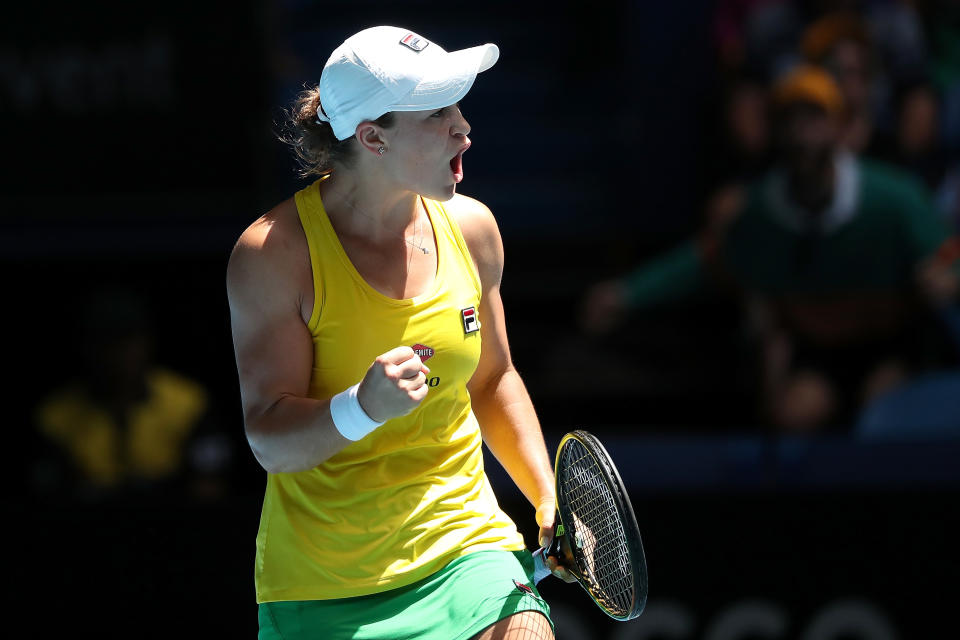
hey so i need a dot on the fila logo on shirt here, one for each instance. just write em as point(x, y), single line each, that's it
point(471, 322)
point(415, 42)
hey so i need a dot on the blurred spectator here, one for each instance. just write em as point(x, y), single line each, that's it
point(917, 144)
point(870, 46)
point(771, 33)
point(748, 128)
point(742, 147)
point(840, 42)
point(948, 199)
point(942, 20)
point(836, 256)
point(767, 33)
point(879, 52)
point(741, 150)
point(125, 427)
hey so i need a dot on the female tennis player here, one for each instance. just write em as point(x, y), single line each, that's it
point(373, 362)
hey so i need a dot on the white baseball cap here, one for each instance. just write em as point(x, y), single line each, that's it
point(383, 69)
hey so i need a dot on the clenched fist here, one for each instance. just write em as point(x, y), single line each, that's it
point(394, 385)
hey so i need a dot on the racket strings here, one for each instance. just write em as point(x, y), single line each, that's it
point(599, 532)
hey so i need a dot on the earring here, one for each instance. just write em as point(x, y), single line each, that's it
point(381, 150)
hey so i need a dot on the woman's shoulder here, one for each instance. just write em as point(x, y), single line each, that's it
point(272, 247)
point(474, 218)
point(480, 232)
point(281, 223)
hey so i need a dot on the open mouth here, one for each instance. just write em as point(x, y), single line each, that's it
point(456, 164)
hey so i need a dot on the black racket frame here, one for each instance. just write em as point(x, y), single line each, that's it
point(571, 556)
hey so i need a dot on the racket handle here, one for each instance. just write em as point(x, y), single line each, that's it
point(540, 570)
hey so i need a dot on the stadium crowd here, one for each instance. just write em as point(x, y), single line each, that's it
point(831, 214)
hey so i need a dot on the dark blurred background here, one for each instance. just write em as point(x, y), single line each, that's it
point(781, 394)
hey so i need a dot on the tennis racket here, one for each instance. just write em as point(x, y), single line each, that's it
point(596, 536)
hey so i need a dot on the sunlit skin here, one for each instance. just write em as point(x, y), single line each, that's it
point(375, 203)
point(418, 150)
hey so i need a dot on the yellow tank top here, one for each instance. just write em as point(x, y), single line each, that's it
point(401, 503)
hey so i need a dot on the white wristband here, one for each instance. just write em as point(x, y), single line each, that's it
point(349, 417)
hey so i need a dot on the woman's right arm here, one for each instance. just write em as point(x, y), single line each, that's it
point(287, 430)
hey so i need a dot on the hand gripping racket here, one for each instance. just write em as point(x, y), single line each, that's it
point(596, 537)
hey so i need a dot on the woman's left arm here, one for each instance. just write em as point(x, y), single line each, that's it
point(500, 400)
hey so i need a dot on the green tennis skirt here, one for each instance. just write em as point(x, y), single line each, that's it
point(456, 603)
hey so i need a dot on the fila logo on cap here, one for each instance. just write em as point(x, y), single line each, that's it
point(470, 321)
point(415, 42)
point(423, 351)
